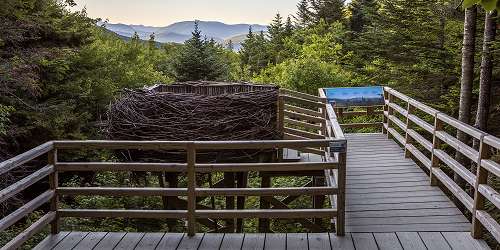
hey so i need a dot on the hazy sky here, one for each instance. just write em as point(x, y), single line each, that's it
point(164, 12)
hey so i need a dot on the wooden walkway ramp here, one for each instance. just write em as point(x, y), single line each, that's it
point(387, 192)
point(297, 241)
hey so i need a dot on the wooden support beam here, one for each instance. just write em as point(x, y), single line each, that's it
point(191, 176)
point(436, 143)
point(481, 179)
point(54, 183)
point(264, 204)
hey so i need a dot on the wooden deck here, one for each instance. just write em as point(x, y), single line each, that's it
point(301, 241)
point(390, 205)
point(388, 193)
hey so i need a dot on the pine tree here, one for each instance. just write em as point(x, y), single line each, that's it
point(276, 28)
point(230, 45)
point(403, 38)
point(152, 42)
point(200, 59)
point(360, 10)
point(276, 32)
point(328, 10)
point(303, 16)
point(254, 52)
point(288, 27)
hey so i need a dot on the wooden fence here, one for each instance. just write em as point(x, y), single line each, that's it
point(306, 117)
point(412, 132)
point(190, 167)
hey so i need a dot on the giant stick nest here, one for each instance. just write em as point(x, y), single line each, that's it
point(148, 115)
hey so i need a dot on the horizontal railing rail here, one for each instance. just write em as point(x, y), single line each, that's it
point(48, 196)
point(306, 116)
point(413, 141)
point(191, 167)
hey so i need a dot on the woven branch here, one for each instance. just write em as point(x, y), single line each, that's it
point(149, 115)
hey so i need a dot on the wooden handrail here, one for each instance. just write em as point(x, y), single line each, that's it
point(483, 192)
point(308, 141)
point(30, 155)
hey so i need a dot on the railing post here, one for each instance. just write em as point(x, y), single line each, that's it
point(191, 176)
point(324, 115)
point(482, 178)
point(390, 111)
point(409, 140)
point(386, 108)
point(436, 143)
point(281, 122)
point(54, 182)
point(341, 183)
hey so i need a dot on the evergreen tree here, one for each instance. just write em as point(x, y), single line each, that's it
point(403, 41)
point(152, 42)
point(230, 45)
point(288, 27)
point(360, 10)
point(254, 52)
point(276, 32)
point(328, 10)
point(303, 16)
point(199, 59)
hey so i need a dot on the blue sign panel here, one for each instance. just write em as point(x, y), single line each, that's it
point(356, 96)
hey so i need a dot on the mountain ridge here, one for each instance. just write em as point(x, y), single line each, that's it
point(181, 31)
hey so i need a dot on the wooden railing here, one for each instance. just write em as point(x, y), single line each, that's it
point(191, 167)
point(305, 117)
point(413, 133)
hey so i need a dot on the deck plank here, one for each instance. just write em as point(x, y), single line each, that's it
point(190, 242)
point(232, 241)
point(341, 243)
point(387, 192)
point(387, 241)
point(438, 227)
point(364, 241)
point(253, 241)
point(318, 241)
point(296, 241)
point(434, 241)
point(149, 241)
point(275, 241)
point(463, 241)
point(110, 241)
point(211, 241)
point(411, 241)
point(90, 241)
point(50, 241)
point(170, 241)
point(129, 241)
point(71, 240)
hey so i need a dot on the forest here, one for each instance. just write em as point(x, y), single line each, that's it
point(59, 70)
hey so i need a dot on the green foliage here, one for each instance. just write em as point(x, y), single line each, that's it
point(62, 71)
point(411, 45)
point(488, 5)
point(305, 75)
point(255, 52)
point(329, 11)
point(5, 111)
point(315, 58)
point(360, 14)
point(200, 59)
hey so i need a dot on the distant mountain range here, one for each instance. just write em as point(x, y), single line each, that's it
point(181, 31)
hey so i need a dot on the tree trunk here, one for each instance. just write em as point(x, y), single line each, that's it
point(464, 112)
point(483, 104)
